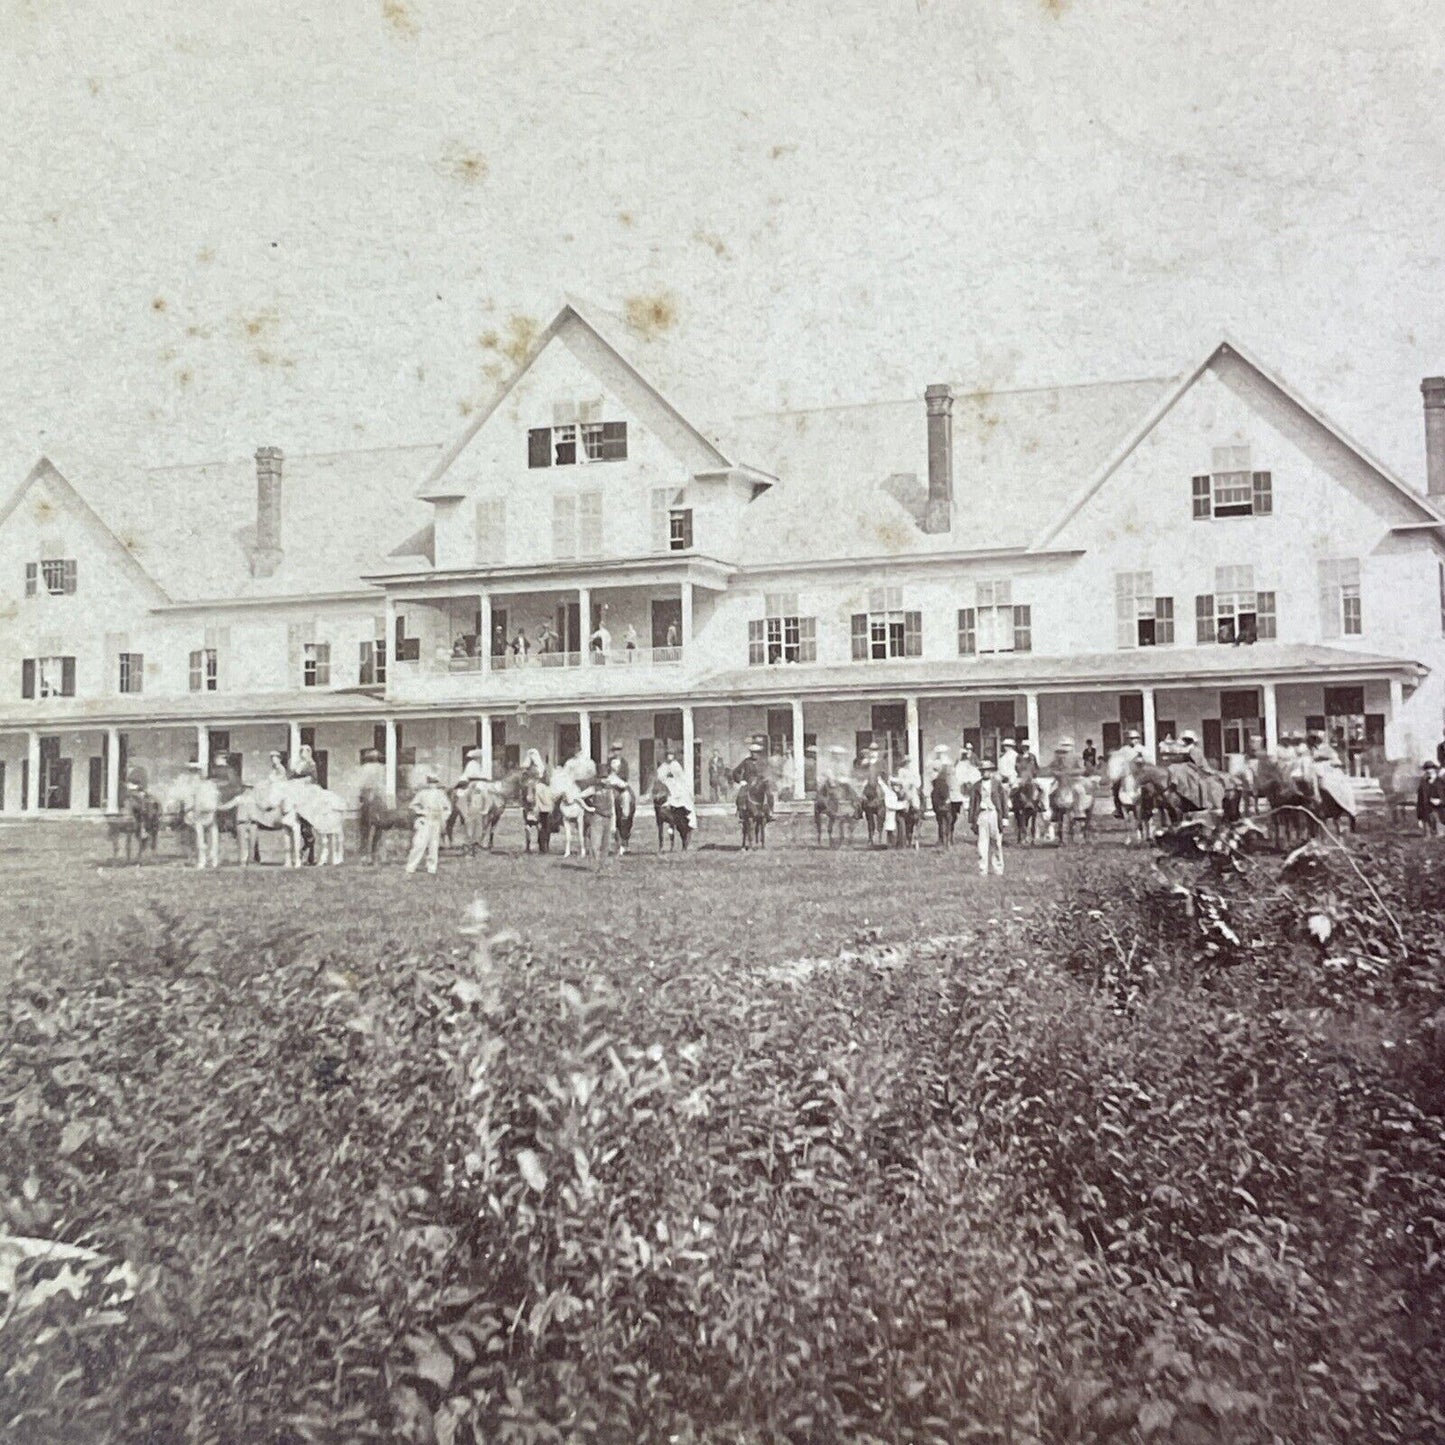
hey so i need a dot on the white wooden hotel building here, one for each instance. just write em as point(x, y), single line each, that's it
point(1206, 551)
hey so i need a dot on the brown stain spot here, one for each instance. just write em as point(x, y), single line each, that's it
point(892, 536)
point(260, 323)
point(421, 373)
point(399, 19)
point(522, 333)
point(651, 316)
point(265, 357)
point(205, 255)
point(9, 611)
point(626, 218)
point(463, 164)
point(185, 376)
point(489, 341)
point(93, 84)
point(158, 303)
point(1056, 8)
point(166, 355)
point(44, 510)
point(779, 151)
point(716, 243)
point(203, 332)
point(53, 217)
point(465, 408)
point(493, 372)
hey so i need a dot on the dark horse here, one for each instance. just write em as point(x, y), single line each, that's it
point(1294, 811)
point(140, 821)
point(1028, 808)
point(875, 810)
point(376, 819)
point(673, 824)
point(945, 810)
point(755, 810)
point(838, 803)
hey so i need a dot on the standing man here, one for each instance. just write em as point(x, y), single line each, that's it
point(985, 816)
point(1008, 765)
point(430, 806)
point(715, 770)
point(1430, 800)
point(202, 803)
point(601, 641)
point(617, 764)
point(371, 782)
point(1091, 755)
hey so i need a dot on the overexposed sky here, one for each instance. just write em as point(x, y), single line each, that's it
point(320, 226)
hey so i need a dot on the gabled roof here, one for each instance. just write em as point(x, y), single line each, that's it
point(46, 471)
point(434, 487)
point(1428, 514)
point(852, 476)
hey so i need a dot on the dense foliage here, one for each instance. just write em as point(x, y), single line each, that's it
point(1165, 1163)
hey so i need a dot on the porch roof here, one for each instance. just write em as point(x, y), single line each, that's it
point(660, 569)
point(1146, 667)
point(213, 709)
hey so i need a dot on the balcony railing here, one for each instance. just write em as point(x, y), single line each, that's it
point(613, 657)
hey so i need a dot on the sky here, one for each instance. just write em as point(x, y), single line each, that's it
point(244, 222)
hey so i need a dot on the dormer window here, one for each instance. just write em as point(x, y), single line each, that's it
point(577, 435)
point(56, 575)
point(1232, 488)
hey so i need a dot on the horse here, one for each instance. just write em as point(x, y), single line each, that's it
point(610, 820)
point(1071, 806)
point(1295, 813)
point(910, 816)
point(376, 819)
point(945, 809)
point(1028, 806)
point(1142, 791)
point(479, 807)
point(755, 809)
point(875, 811)
point(838, 803)
point(194, 802)
point(140, 820)
point(324, 812)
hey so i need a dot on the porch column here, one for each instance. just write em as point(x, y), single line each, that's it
point(687, 744)
point(293, 742)
point(484, 641)
point(1271, 716)
point(1031, 719)
point(484, 732)
point(203, 748)
point(1395, 742)
point(112, 770)
point(584, 730)
point(915, 737)
point(391, 761)
point(1151, 731)
point(800, 775)
point(584, 623)
point(32, 794)
point(685, 632)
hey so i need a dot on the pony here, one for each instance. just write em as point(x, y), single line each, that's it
point(1071, 807)
point(666, 831)
point(910, 816)
point(139, 821)
point(838, 803)
point(378, 819)
point(1142, 792)
point(194, 801)
point(755, 809)
point(875, 811)
point(945, 808)
point(569, 811)
point(1028, 806)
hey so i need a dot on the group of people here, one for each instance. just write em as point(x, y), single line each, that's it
point(549, 642)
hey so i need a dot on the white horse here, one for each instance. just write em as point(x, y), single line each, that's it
point(567, 783)
point(325, 813)
point(197, 800)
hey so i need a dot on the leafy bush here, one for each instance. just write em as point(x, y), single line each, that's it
point(1111, 1176)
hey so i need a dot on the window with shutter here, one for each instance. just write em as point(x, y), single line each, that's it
point(1204, 630)
point(589, 524)
point(913, 634)
point(67, 677)
point(1200, 498)
point(757, 643)
point(68, 577)
point(1340, 606)
point(27, 677)
point(807, 639)
point(1023, 628)
point(614, 441)
point(1163, 621)
point(132, 672)
point(967, 632)
point(782, 635)
point(1264, 616)
point(32, 578)
point(539, 446)
point(564, 527)
point(1263, 494)
point(860, 636)
point(1136, 616)
point(680, 529)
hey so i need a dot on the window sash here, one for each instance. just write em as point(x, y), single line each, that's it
point(203, 670)
point(132, 672)
point(1201, 498)
point(55, 676)
point(1163, 621)
point(680, 529)
point(967, 632)
point(564, 446)
point(58, 575)
point(1133, 600)
point(316, 664)
point(1204, 628)
point(1023, 639)
point(1263, 498)
point(1264, 616)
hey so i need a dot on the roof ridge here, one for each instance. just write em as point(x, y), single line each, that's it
point(1159, 380)
point(300, 456)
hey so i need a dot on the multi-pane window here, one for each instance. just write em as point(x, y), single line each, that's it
point(372, 672)
point(886, 630)
point(316, 664)
point(569, 442)
point(577, 525)
point(679, 529)
point(1141, 618)
point(1232, 488)
point(995, 623)
point(203, 670)
point(671, 521)
point(1235, 611)
point(56, 574)
point(1340, 614)
point(47, 677)
point(781, 635)
point(132, 671)
point(492, 530)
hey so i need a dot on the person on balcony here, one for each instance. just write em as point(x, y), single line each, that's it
point(601, 642)
point(630, 642)
point(673, 640)
point(499, 640)
point(546, 640)
point(521, 648)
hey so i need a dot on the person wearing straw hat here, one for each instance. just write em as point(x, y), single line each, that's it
point(986, 807)
point(1008, 764)
point(430, 805)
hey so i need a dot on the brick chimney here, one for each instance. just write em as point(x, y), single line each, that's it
point(266, 556)
point(938, 515)
point(1433, 390)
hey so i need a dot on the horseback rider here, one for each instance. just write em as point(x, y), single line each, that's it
point(673, 776)
point(1064, 766)
point(1028, 764)
point(753, 767)
point(1008, 764)
point(1130, 756)
point(303, 769)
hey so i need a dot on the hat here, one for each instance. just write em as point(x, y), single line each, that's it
point(1133, 732)
point(1010, 743)
point(755, 747)
point(1066, 745)
point(1187, 736)
point(197, 764)
point(1431, 766)
point(473, 753)
point(986, 765)
point(368, 755)
point(615, 748)
point(941, 751)
point(431, 776)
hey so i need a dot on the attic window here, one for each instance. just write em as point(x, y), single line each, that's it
point(57, 574)
point(557, 446)
point(1231, 488)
